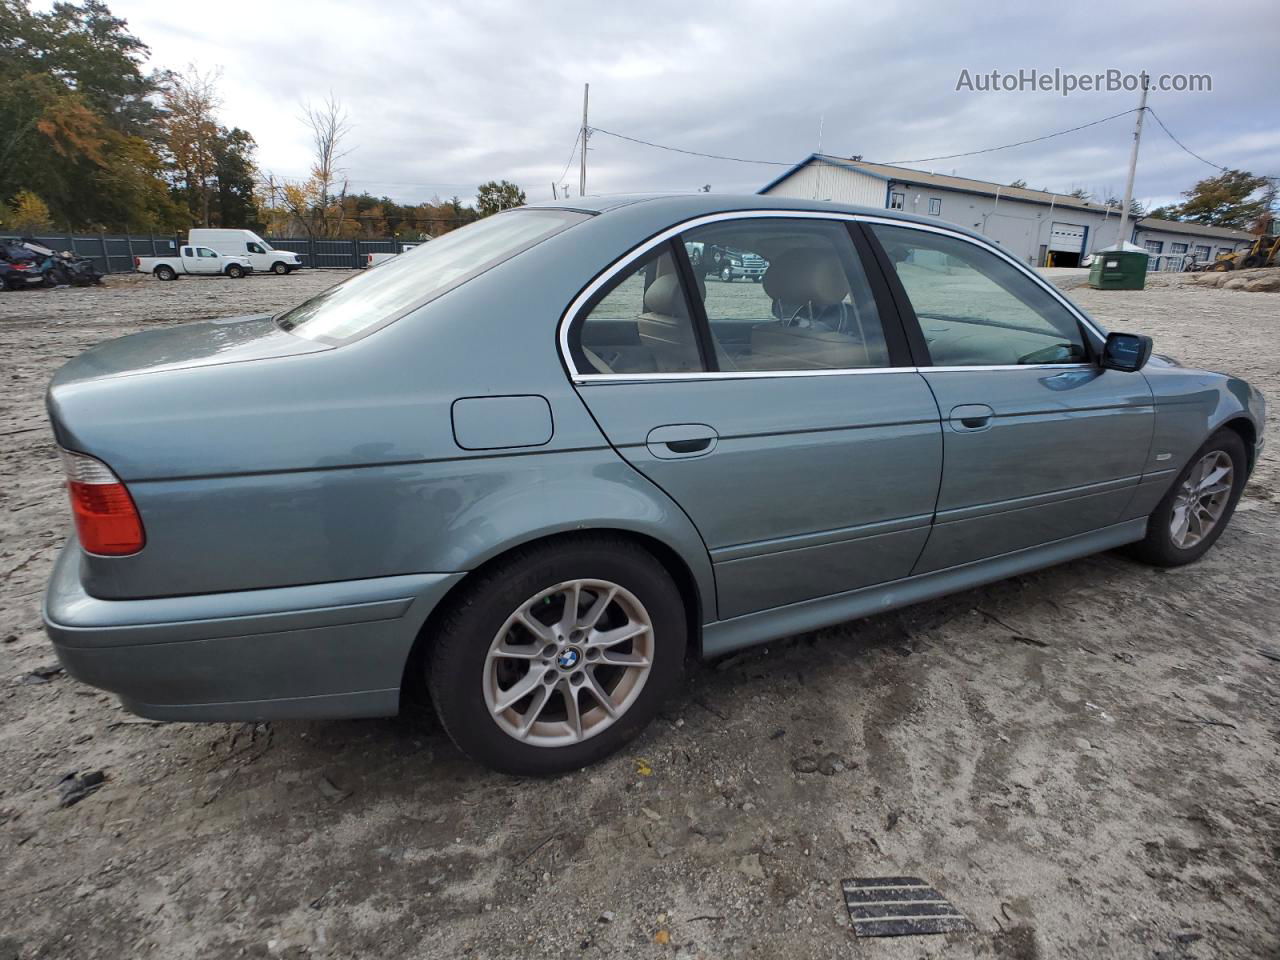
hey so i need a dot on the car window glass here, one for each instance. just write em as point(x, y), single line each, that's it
point(404, 283)
point(976, 309)
point(785, 294)
point(186, 252)
point(640, 323)
point(254, 248)
point(205, 252)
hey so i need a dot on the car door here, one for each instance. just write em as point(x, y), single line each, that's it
point(783, 416)
point(1039, 442)
point(208, 260)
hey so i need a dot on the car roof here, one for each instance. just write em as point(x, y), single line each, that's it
point(681, 206)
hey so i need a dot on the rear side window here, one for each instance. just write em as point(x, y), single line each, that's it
point(786, 295)
point(378, 297)
point(639, 323)
point(974, 308)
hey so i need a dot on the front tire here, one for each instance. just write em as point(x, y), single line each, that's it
point(726, 275)
point(279, 268)
point(1198, 506)
point(558, 655)
point(235, 271)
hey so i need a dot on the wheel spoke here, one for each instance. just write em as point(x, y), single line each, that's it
point(1215, 480)
point(530, 717)
point(572, 597)
point(571, 710)
point(597, 691)
point(535, 626)
point(614, 659)
point(597, 609)
point(506, 699)
point(523, 651)
point(1179, 529)
point(611, 638)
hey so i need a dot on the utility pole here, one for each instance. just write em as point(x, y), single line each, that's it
point(582, 170)
point(1133, 162)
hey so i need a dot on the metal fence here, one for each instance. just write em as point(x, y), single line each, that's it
point(114, 253)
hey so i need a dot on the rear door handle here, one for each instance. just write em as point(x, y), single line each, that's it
point(676, 440)
point(971, 417)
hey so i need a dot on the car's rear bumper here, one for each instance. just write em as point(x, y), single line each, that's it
point(319, 650)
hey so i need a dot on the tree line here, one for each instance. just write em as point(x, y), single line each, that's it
point(1234, 198)
point(89, 142)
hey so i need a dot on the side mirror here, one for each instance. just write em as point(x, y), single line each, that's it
point(1127, 352)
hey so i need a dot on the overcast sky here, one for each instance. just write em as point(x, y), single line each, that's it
point(446, 95)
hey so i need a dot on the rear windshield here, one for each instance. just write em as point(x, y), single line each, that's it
point(397, 286)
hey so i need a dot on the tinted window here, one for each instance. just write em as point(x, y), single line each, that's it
point(976, 309)
point(404, 283)
point(786, 295)
point(640, 323)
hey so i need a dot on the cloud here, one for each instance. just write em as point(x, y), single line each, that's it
point(446, 95)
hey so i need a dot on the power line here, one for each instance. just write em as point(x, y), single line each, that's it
point(692, 153)
point(572, 150)
point(1156, 117)
point(1047, 136)
point(949, 156)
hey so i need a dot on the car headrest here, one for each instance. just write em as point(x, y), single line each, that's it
point(806, 276)
point(663, 296)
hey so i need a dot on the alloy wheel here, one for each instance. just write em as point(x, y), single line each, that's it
point(1202, 499)
point(568, 663)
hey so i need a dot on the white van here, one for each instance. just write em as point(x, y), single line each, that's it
point(242, 243)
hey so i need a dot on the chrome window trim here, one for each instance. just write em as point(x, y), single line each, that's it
point(606, 276)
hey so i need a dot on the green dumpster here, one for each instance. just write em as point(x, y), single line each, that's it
point(1118, 270)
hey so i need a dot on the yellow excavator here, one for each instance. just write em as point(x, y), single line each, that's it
point(1263, 252)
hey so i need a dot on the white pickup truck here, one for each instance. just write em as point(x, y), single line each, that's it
point(196, 262)
point(373, 259)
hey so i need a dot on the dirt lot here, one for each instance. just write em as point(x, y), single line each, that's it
point(1085, 760)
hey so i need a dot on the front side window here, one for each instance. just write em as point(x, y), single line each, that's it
point(254, 248)
point(639, 323)
point(976, 309)
point(205, 252)
point(404, 283)
point(786, 295)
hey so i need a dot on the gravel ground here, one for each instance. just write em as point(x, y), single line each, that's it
point(1084, 759)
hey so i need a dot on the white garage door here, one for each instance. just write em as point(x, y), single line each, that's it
point(1067, 237)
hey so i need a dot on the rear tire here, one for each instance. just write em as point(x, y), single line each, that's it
point(1187, 509)
point(482, 653)
point(165, 272)
point(235, 271)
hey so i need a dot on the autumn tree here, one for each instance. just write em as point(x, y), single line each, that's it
point(329, 125)
point(190, 101)
point(1231, 199)
point(496, 196)
point(26, 214)
point(76, 121)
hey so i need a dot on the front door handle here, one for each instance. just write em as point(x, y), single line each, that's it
point(971, 417)
point(676, 440)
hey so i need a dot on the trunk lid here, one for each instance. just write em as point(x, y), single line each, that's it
point(202, 344)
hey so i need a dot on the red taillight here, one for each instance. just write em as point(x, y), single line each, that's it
point(137, 262)
point(368, 259)
point(106, 519)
